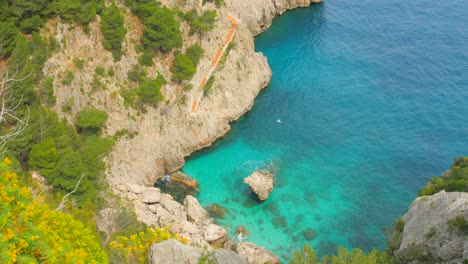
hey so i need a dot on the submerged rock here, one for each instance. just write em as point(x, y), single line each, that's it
point(217, 210)
point(309, 234)
point(280, 222)
point(261, 183)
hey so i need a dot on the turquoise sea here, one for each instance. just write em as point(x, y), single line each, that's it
point(373, 101)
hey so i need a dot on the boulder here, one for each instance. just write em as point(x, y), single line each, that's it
point(261, 183)
point(195, 212)
point(256, 254)
point(241, 233)
point(184, 179)
point(215, 235)
point(173, 252)
point(426, 236)
point(151, 195)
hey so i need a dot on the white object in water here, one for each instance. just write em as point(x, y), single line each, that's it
point(278, 120)
point(240, 237)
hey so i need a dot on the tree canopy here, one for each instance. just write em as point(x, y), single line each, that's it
point(162, 32)
point(113, 30)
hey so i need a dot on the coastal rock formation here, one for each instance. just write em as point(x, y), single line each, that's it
point(256, 254)
point(426, 235)
point(259, 14)
point(173, 251)
point(261, 183)
point(158, 140)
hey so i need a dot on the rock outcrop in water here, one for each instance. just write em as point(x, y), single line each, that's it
point(428, 237)
point(261, 183)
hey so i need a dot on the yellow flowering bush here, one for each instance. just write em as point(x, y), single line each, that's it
point(31, 232)
point(135, 248)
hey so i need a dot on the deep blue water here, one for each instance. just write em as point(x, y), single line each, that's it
point(373, 99)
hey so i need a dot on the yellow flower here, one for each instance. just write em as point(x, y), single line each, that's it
point(7, 161)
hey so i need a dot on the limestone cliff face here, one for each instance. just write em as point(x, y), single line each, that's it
point(165, 135)
point(426, 237)
point(259, 14)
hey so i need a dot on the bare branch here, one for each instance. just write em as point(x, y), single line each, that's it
point(8, 105)
point(64, 199)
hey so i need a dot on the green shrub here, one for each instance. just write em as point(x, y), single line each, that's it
point(100, 71)
point(195, 52)
point(113, 30)
point(200, 24)
point(430, 233)
point(458, 224)
point(307, 256)
point(455, 180)
point(111, 72)
point(90, 119)
point(46, 92)
point(79, 63)
point(8, 33)
point(183, 67)
point(162, 32)
point(136, 74)
point(145, 59)
point(150, 90)
point(69, 77)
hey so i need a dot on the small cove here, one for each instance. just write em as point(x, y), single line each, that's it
point(372, 98)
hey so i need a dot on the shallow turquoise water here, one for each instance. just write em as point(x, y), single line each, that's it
point(373, 99)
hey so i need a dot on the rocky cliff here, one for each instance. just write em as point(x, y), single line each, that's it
point(428, 236)
point(163, 136)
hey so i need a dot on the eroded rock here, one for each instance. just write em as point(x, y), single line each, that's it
point(256, 254)
point(261, 183)
point(426, 236)
point(151, 195)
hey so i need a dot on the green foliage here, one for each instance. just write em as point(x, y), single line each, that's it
point(162, 32)
point(209, 84)
point(100, 71)
point(218, 3)
point(34, 233)
point(134, 248)
point(46, 91)
point(29, 15)
point(458, 224)
point(136, 74)
point(395, 235)
point(43, 156)
point(200, 23)
point(356, 256)
point(150, 90)
point(430, 233)
point(68, 79)
point(223, 59)
point(183, 67)
point(8, 33)
point(30, 25)
point(111, 72)
point(145, 59)
point(195, 52)
point(455, 180)
point(79, 63)
point(91, 120)
point(113, 30)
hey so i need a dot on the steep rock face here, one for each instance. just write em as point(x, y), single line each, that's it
point(426, 236)
point(259, 14)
